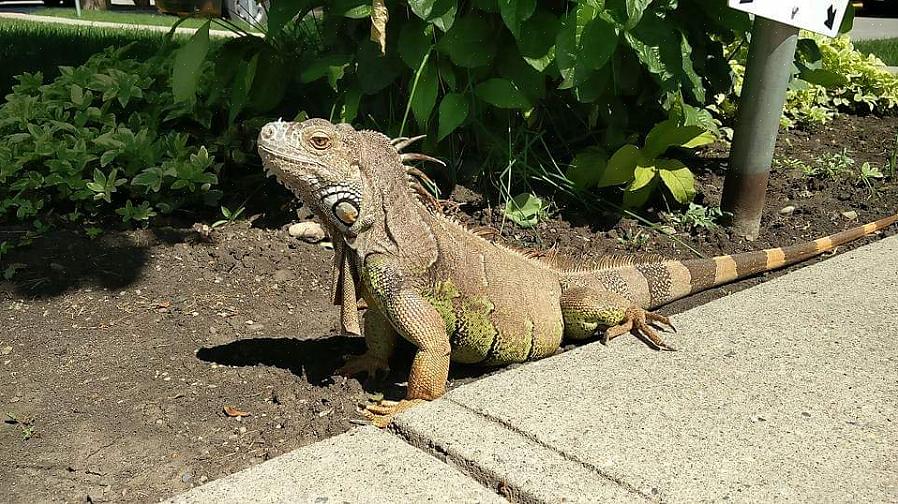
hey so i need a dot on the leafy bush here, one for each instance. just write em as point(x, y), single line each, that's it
point(830, 76)
point(480, 77)
point(27, 46)
point(102, 137)
point(642, 170)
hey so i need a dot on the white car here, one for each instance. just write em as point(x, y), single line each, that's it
point(250, 11)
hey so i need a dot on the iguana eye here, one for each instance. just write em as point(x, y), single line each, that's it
point(320, 141)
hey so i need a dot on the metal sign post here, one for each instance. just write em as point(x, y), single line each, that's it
point(774, 36)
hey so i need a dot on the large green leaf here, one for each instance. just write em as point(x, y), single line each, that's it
point(657, 45)
point(415, 41)
point(469, 43)
point(243, 84)
point(269, 83)
point(374, 70)
point(667, 133)
point(421, 8)
point(587, 168)
point(502, 93)
point(425, 96)
point(453, 112)
point(188, 62)
point(350, 108)
point(538, 47)
point(639, 197)
point(524, 209)
point(627, 13)
point(282, 12)
point(527, 80)
point(597, 43)
point(642, 176)
point(515, 12)
point(332, 66)
point(621, 166)
point(568, 50)
point(440, 12)
point(677, 178)
point(690, 80)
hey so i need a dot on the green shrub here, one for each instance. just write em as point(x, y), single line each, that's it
point(830, 76)
point(42, 47)
point(512, 83)
point(106, 137)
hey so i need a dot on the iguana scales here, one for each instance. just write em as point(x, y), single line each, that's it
point(457, 296)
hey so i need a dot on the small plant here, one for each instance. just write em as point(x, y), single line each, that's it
point(633, 238)
point(93, 231)
point(525, 210)
point(26, 426)
point(828, 166)
point(866, 174)
point(229, 216)
point(10, 271)
point(892, 164)
point(642, 169)
point(697, 217)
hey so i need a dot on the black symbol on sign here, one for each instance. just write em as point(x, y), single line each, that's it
point(794, 12)
point(746, 1)
point(830, 17)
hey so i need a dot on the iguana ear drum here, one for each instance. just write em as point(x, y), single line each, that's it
point(345, 211)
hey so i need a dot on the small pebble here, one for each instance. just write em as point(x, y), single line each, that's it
point(850, 215)
point(787, 210)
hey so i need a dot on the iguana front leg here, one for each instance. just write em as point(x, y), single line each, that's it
point(419, 322)
point(380, 339)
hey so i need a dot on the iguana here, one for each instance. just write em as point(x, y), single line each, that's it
point(457, 296)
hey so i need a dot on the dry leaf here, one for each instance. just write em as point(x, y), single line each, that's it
point(379, 16)
point(234, 412)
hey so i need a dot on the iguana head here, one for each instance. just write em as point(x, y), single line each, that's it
point(320, 162)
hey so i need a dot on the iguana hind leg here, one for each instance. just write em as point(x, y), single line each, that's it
point(587, 311)
point(639, 323)
point(380, 339)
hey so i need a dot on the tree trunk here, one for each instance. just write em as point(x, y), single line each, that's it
point(94, 4)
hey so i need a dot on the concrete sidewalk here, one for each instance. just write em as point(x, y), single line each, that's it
point(784, 392)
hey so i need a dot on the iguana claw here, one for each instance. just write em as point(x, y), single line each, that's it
point(382, 413)
point(638, 322)
point(365, 363)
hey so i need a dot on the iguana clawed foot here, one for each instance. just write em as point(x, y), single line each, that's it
point(639, 323)
point(365, 363)
point(381, 414)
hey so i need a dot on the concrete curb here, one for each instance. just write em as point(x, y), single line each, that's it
point(362, 465)
point(784, 392)
point(102, 24)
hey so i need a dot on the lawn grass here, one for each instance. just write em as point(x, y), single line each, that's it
point(27, 46)
point(884, 49)
point(131, 16)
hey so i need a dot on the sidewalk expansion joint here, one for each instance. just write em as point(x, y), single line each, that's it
point(484, 478)
point(495, 482)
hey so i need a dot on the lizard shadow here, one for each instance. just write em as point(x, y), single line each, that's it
point(316, 360)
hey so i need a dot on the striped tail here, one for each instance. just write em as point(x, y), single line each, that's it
point(708, 273)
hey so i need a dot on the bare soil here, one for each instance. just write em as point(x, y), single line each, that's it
point(119, 355)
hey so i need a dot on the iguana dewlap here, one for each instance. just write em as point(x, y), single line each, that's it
point(457, 296)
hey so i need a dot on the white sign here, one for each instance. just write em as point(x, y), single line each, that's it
point(821, 16)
